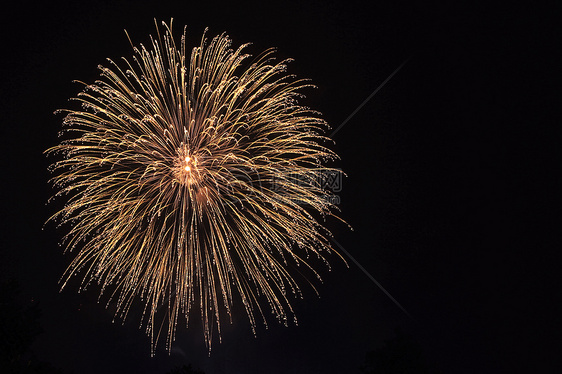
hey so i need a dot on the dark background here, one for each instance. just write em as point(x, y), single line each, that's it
point(452, 176)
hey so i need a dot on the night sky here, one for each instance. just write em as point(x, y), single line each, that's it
point(452, 169)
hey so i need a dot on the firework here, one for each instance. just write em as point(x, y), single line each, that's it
point(193, 180)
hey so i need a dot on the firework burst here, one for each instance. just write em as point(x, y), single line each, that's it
point(193, 180)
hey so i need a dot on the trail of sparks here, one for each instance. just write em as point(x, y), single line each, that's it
point(193, 180)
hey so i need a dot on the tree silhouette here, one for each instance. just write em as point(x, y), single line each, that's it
point(19, 326)
point(400, 355)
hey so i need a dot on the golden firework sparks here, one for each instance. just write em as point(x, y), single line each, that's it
point(193, 180)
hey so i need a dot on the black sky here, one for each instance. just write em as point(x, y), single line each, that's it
point(452, 170)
